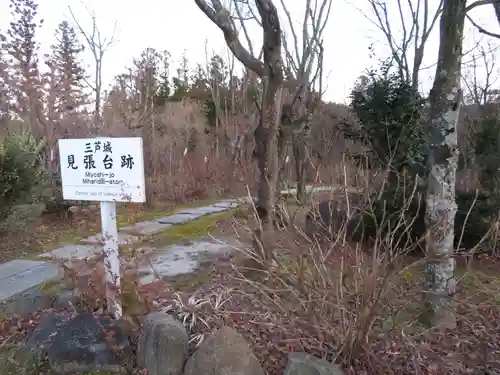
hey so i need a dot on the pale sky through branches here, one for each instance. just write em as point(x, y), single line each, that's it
point(178, 26)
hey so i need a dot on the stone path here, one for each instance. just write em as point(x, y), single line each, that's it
point(21, 275)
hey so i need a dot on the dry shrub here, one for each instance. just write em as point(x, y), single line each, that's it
point(338, 293)
point(181, 161)
point(356, 304)
point(87, 278)
point(200, 177)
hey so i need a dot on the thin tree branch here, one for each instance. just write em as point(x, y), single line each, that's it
point(221, 17)
point(481, 29)
point(479, 3)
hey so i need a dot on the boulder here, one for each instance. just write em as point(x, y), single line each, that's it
point(224, 352)
point(69, 343)
point(31, 301)
point(66, 299)
point(40, 298)
point(163, 345)
point(300, 363)
point(75, 210)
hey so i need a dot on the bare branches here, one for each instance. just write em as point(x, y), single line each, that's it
point(220, 16)
point(479, 3)
point(301, 60)
point(398, 51)
point(304, 57)
point(496, 7)
point(98, 45)
point(481, 90)
point(481, 29)
point(416, 29)
point(242, 23)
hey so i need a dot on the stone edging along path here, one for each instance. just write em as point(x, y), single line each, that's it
point(22, 275)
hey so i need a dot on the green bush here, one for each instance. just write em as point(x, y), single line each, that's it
point(21, 168)
point(486, 141)
point(390, 122)
point(399, 212)
point(474, 220)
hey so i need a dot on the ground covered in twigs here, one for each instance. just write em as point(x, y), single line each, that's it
point(334, 302)
point(396, 344)
point(281, 310)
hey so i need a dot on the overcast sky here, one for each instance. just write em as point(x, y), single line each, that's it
point(179, 26)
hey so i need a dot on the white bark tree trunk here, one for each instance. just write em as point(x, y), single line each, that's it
point(445, 99)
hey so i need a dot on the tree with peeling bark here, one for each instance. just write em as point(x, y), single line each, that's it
point(445, 101)
point(270, 67)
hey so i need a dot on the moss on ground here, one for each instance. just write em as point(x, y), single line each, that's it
point(182, 232)
point(193, 281)
point(12, 363)
point(126, 216)
point(190, 230)
point(52, 287)
point(10, 359)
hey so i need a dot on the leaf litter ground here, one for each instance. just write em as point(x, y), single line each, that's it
point(397, 345)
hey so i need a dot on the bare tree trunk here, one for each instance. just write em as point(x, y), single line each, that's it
point(98, 46)
point(445, 99)
point(266, 137)
point(98, 88)
point(271, 72)
point(282, 153)
point(299, 155)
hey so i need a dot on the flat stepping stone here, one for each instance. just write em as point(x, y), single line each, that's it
point(231, 203)
point(188, 214)
point(19, 275)
point(123, 239)
point(146, 228)
point(179, 218)
point(67, 252)
point(206, 210)
point(177, 259)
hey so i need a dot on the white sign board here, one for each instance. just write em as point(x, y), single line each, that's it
point(102, 169)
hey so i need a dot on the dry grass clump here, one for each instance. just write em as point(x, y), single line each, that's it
point(354, 304)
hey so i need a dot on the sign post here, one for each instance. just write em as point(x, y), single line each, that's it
point(107, 170)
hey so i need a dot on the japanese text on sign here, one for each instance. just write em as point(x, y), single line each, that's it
point(103, 169)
